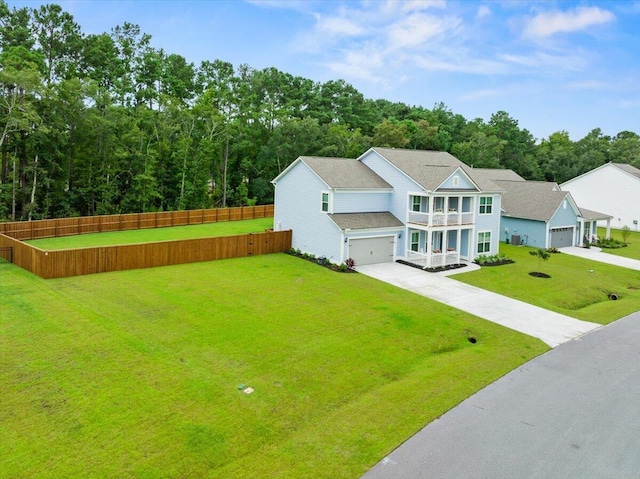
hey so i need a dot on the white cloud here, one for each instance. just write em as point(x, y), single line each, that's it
point(549, 23)
point(460, 64)
point(483, 12)
point(415, 30)
point(548, 62)
point(337, 26)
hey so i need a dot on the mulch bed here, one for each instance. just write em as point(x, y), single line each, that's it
point(497, 263)
point(433, 269)
point(321, 262)
point(537, 274)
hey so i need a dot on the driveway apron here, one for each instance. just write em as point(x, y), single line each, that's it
point(596, 254)
point(552, 328)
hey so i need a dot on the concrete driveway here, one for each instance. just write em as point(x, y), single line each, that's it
point(552, 328)
point(596, 254)
point(571, 413)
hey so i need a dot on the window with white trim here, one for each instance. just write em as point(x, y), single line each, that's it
point(484, 242)
point(415, 240)
point(417, 201)
point(325, 201)
point(486, 205)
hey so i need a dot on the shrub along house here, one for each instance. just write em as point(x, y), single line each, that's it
point(423, 206)
point(539, 214)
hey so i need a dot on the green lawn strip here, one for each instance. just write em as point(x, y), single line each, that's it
point(226, 228)
point(632, 250)
point(578, 287)
point(136, 373)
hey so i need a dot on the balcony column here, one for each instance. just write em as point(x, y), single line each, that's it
point(445, 246)
point(430, 210)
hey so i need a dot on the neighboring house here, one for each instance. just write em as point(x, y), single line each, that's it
point(539, 214)
point(613, 188)
point(424, 206)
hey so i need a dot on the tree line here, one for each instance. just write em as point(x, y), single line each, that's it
point(107, 123)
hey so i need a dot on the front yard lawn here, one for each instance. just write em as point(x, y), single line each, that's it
point(137, 373)
point(632, 250)
point(207, 230)
point(578, 287)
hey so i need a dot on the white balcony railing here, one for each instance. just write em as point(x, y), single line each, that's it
point(417, 217)
point(441, 219)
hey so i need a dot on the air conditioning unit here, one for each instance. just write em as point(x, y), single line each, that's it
point(515, 240)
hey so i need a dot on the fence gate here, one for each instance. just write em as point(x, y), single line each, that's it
point(7, 254)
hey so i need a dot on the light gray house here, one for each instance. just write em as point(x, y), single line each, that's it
point(423, 206)
point(613, 188)
point(539, 214)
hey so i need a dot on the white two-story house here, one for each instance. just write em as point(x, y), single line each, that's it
point(426, 207)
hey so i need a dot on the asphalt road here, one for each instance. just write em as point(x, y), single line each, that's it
point(573, 412)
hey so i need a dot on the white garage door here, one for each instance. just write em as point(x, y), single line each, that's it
point(372, 250)
point(561, 237)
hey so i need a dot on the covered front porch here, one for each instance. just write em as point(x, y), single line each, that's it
point(433, 248)
point(588, 226)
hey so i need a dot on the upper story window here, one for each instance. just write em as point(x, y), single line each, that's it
point(486, 205)
point(415, 206)
point(325, 201)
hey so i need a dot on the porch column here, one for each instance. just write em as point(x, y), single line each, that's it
point(581, 232)
point(428, 245)
point(445, 244)
point(458, 245)
point(407, 241)
point(430, 209)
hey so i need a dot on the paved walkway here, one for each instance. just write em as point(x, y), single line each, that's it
point(552, 328)
point(596, 254)
point(571, 413)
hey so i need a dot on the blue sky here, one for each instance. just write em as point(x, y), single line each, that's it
point(552, 65)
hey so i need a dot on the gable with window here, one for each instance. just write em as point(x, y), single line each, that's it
point(486, 205)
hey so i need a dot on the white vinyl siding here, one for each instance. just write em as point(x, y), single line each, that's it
point(297, 195)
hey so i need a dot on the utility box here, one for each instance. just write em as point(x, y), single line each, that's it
point(515, 240)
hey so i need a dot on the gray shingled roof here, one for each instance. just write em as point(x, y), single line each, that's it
point(534, 200)
point(359, 221)
point(494, 174)
point(344, 173)
point(593, 215)
point(431, 168)
point(628, 168)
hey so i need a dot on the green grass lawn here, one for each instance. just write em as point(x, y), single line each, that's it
point(225, 228)
point(632, 250)
point(136, 373)
point(577, 287)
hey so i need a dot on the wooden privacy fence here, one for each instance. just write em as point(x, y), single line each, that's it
point(75, 262)
point(27, 230)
